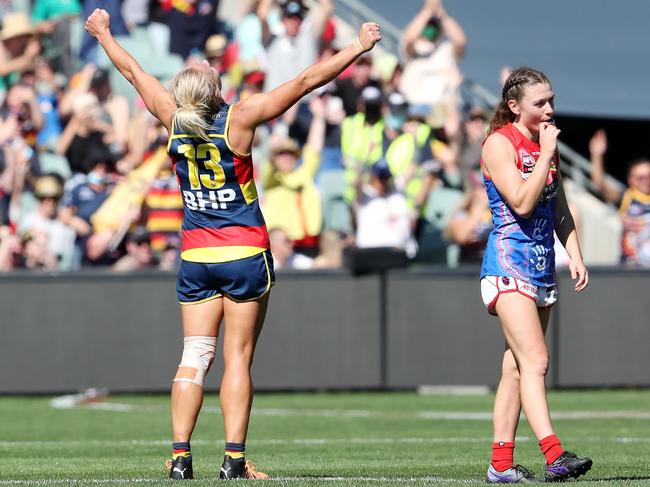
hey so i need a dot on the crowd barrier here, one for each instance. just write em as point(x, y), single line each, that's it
point(324, 330)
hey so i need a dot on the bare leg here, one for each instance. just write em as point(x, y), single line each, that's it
point(201, 319)
point(524, 332)
point(243, 324)
point(507, 402)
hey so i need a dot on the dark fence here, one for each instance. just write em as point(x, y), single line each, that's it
point(326, 330)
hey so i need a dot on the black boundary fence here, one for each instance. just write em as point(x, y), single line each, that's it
point(325, 330)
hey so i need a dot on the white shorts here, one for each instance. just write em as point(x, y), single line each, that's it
point(494, 286)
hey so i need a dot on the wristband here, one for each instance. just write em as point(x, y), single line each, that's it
point(357, 45)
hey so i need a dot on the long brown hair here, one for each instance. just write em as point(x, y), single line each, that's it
point(513, 89)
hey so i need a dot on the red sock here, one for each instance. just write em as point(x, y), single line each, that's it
point(502, 455)
point(551, 448)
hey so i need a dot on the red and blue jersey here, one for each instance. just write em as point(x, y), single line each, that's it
point(222, 220)
point(522, 247)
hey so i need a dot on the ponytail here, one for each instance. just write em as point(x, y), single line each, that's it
point(191, 119)
point(502, 117)
point(197, 94)
point(513, 89)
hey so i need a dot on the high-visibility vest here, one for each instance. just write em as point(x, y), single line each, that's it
point(361, 143)
point(400, 155)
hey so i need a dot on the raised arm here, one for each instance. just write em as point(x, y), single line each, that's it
point(597, 151)
point(257, 109)
point(262, 11)
point(156, 98)
point(454, 32)
point(414, 28)
point(324, 12)
point(499, 159)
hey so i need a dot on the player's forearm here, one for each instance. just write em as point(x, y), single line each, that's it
point(455, 34)
point(527, 195)
point(123, 61)
point(572, 246)
point(320, 73)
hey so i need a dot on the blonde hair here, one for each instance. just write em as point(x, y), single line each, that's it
point(197, 94)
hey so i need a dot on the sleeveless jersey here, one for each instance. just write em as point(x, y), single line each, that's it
point(222, 220)
point(522, 247)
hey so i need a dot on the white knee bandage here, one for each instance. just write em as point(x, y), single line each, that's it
point(198, 353)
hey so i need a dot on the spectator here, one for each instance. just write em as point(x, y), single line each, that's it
point(54, 19)
point(635, 211)
point(10, 250)
point(138, 252)
point(253, 80)
point(112, 110)
point(471, 137)
point(434, 44)
point(18, 173)
point(135, 13)
point(49, 87)
point(283, 253)
point(163, 210)
point(382, 214)
point(19, 48)
point(248, 36)
point(349, 89)
point(291, 201)
point(634, 202)
point(191, 23)
point(295, 46)
point(85, 133)
point(362, 137)
point(35, 251)
point(470, 225)
point(21, 103)
point(393, 82)
point(60, 238)
point(81, 201)
point(88, 50)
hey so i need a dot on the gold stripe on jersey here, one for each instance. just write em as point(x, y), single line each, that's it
point(225, 130)
point(249, 190)
point(171, 134)
point(215, 255)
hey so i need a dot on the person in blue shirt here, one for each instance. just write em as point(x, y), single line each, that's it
point(522, 179)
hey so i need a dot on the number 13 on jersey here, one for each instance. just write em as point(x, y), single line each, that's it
point(210, 156)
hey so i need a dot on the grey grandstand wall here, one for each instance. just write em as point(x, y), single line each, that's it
point(326, 330)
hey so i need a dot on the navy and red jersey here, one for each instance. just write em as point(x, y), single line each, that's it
point(522, 247)
point(222, 220)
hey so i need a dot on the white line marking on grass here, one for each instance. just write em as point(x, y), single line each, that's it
point(62, 444)
point(78, 401)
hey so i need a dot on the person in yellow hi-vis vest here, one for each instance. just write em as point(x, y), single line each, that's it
point(403, 155)
point(362, 137)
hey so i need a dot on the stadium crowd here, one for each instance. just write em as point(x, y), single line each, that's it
point(387, 156)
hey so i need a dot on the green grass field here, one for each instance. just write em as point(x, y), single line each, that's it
point(318, 439)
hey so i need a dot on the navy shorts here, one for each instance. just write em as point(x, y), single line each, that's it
point(242, 280)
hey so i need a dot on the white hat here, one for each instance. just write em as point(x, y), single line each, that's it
point(15, 24)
